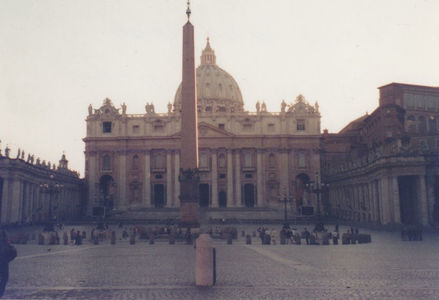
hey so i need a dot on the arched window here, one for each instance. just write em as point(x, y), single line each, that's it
point(422, 124)
point(106, 162)
point(411, 123)
point(432, 124)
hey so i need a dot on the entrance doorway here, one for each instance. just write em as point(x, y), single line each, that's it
point(106, 185)
point(301, 181)
point(222, 199)
point(204, 195)
point(407, 198)
point(159, 195)
point(249, 195)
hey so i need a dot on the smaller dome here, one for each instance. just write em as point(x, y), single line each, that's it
point(215, 87)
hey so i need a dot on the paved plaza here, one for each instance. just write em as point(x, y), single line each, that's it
point(388, 268)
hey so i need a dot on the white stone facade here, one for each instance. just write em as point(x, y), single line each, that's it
point(246, 159)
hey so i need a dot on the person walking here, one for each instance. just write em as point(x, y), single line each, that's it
point(273, 236)
point(7, 254)
point(307, 235)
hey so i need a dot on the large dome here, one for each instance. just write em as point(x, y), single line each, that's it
point(217, 91)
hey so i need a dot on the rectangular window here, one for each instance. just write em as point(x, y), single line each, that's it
point(270, 127)
point(106, 127)
point(301, 125)
point(247, 127)
point(222, 176)
point(302, 162)
point(221, 126)
point(136, 129)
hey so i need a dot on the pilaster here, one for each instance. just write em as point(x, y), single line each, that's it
point(147, 181)
point(230, 200)
point(260, 180)
point(395, 201)
point(169, 200)
point(214, 176)
point(122, 181)
point(176, 181)
point(422, 200)
point(238, 200)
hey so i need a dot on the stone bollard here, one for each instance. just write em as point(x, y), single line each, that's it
point(132, 239)
point(204, 266)
point(229, 239)
point(113, 238)
point(248, 239)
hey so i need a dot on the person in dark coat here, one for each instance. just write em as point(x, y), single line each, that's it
point(306, 235)
point(7, 253)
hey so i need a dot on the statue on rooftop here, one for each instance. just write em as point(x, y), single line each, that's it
point(283, 106)
point(124, 108)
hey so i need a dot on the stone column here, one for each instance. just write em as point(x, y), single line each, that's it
point(238, 202)
point(430, 197)
point(229, 179)
point(93, 168)
point(5, 200)
point(15, 200)
point(422, 200)
point(214, 176)
point(169, 195)
point(147, 181)
point(395, 200)
point(385, 199)
point(284, 174)
point(260, 201)
point(176, 181)
point(121, 204)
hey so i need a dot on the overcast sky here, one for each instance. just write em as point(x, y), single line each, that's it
point(57, 57)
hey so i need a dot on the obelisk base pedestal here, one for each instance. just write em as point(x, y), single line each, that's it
point(189, 181)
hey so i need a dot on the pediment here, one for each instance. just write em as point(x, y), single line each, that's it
point(208, 130)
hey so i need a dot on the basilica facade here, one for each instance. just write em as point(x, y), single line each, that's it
point(247, 159)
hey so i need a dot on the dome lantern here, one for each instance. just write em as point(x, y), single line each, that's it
point(208, 55)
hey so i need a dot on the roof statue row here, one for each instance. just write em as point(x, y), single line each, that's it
point(30, 159)
point(217, 92)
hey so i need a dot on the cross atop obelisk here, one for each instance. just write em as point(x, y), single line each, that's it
point(189, 131)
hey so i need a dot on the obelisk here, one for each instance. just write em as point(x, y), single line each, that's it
point(189, 177)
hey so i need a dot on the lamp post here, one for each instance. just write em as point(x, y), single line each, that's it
point(285, 200)
point(51, 188)
point(318, 188)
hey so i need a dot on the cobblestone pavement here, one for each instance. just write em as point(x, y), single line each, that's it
point(385, 269)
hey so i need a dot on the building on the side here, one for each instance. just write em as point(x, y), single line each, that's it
point(383, 168)
point(33, 191)
point(247, 160)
